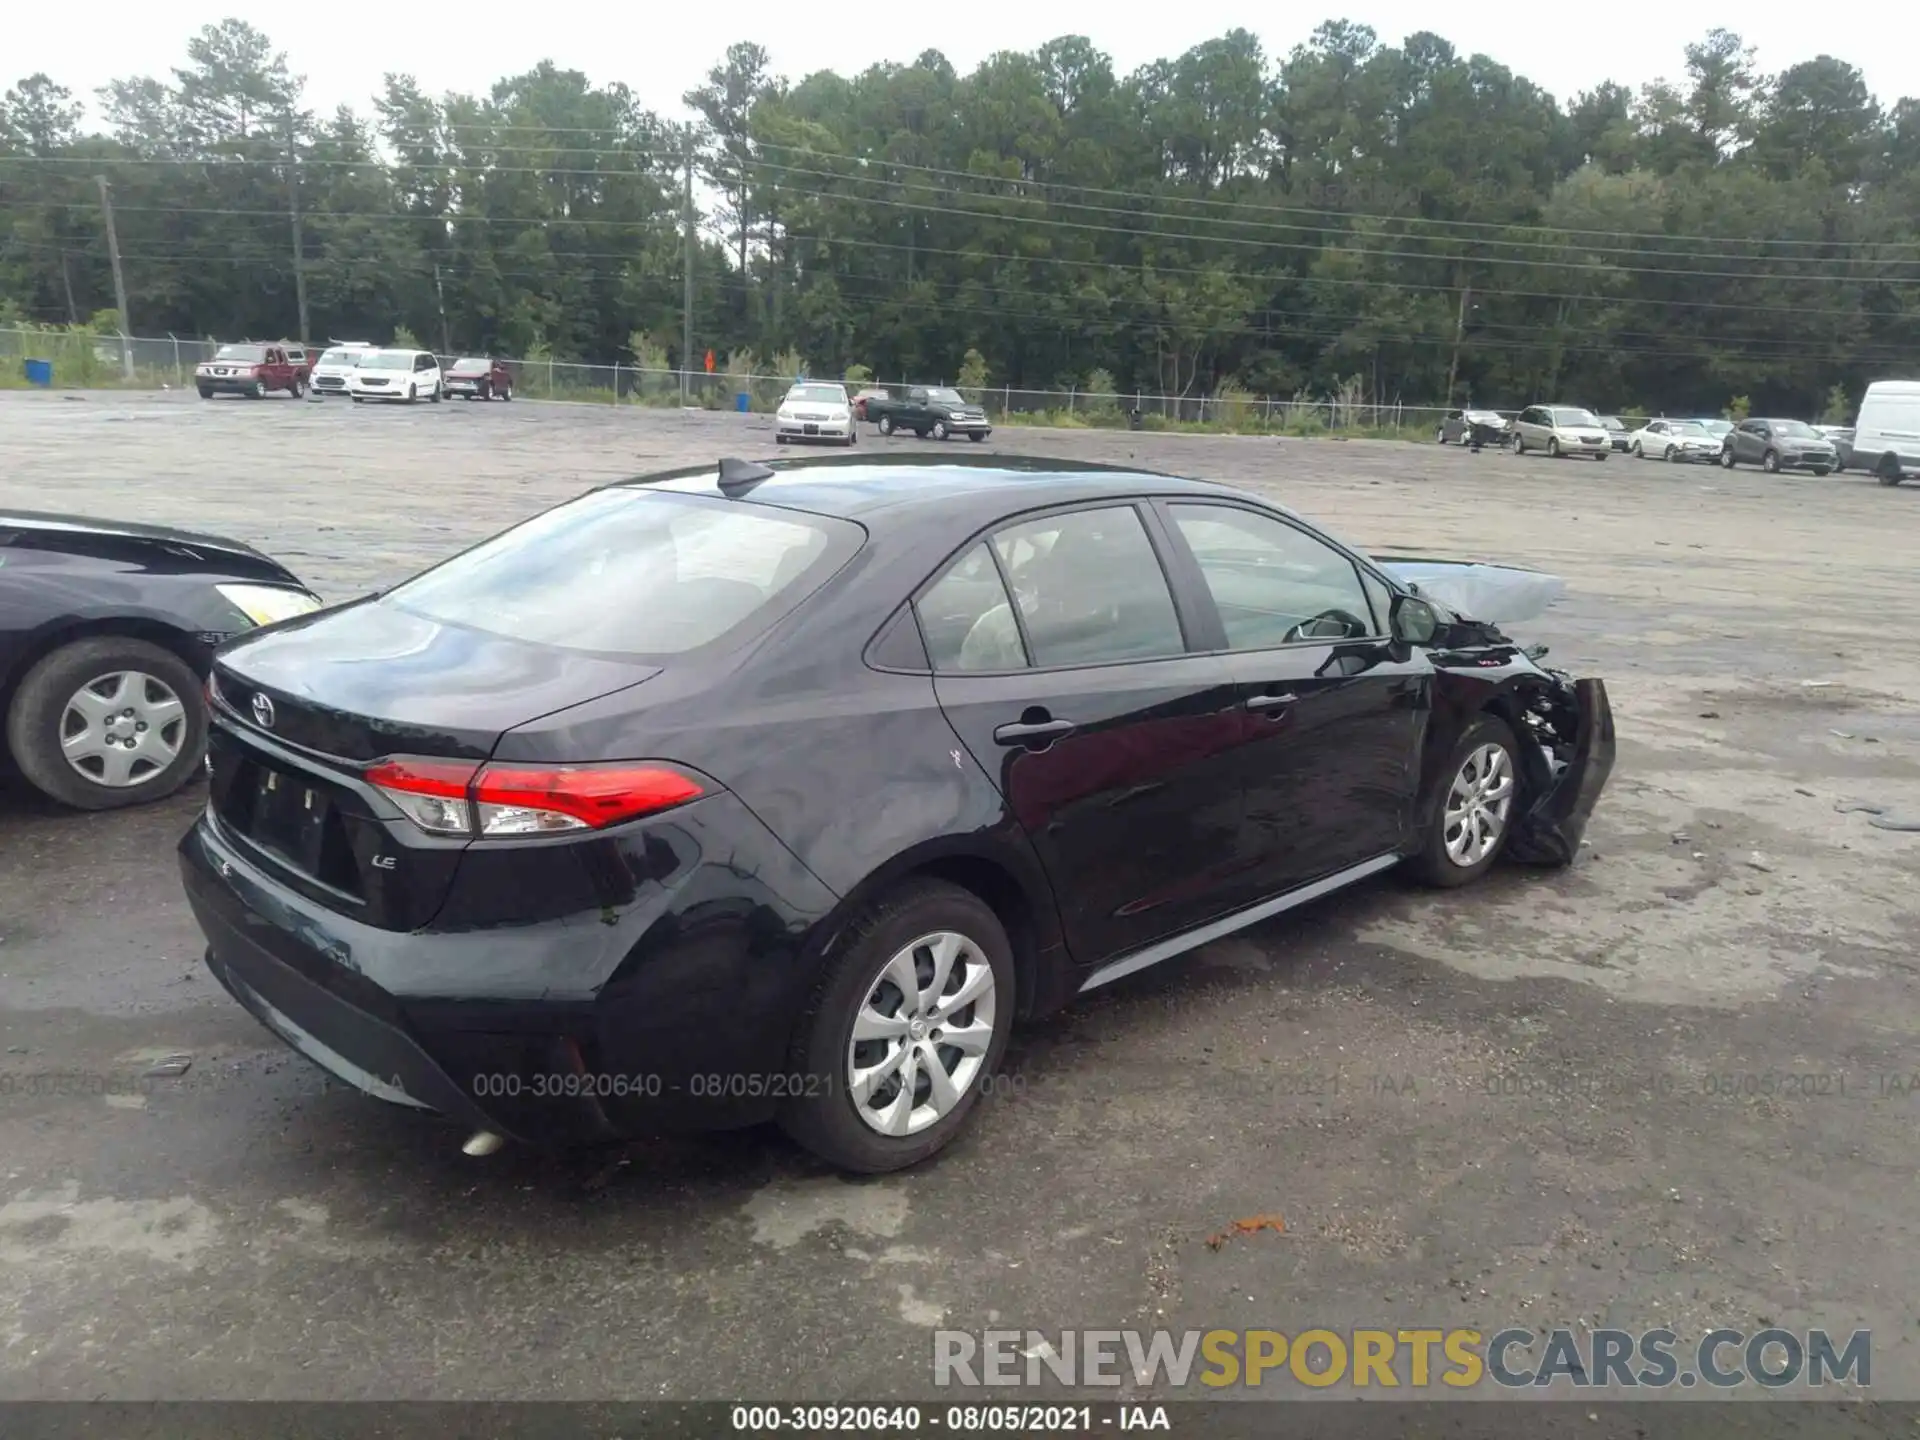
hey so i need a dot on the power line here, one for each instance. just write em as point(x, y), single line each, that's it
point(465, 217)
point(1557, 237)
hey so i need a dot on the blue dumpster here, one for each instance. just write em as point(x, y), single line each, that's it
point(743, 402)
point(39, 372)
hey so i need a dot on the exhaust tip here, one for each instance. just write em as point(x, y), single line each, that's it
point(482, 1142)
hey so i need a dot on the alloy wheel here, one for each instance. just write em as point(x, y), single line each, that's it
point(122, 728)
point(1478, 805)
point(921, 1034)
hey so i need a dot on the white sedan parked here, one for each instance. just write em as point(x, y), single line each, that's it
point(1677, 441)
point(816, 410)
point(407, 375)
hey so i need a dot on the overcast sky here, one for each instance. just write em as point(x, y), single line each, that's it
point(661, 49)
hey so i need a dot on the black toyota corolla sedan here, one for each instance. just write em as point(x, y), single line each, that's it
point(107, 632)
point(783, 791)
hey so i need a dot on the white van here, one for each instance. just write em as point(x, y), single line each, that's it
point(1886, 438)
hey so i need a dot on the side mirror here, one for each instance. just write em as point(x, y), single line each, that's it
point(1414, 621)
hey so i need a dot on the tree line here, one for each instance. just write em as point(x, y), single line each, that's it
point(1406, 219)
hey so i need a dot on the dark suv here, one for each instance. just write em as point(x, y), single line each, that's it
point(1776, 445)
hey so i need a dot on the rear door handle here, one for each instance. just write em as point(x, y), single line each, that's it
point(1270, 702)
point(1024, 734)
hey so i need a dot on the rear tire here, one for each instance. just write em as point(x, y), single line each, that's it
point(886, 425)
point(826, 1119)
point(1435, 864)
point(1889, 470)
point(299, 391)
point(38, 718)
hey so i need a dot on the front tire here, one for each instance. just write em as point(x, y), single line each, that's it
point(435, 397)
point(1727, 462)
point(1770, 463)
point(1475, 809)
point(1888, 472)
point(940, 430)
point(1553, 447)
point(975, 436)
point(928, 963)
point(109, 722)
point(205, 393)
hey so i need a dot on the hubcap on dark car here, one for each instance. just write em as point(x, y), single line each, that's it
point(922, 1033)
point(1478, 804)
point(123, 728)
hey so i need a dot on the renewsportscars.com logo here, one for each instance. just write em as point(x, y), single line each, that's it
point(1418, 1359)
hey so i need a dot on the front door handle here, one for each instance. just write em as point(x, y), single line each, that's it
point(1259, 703)
point(1022, 733)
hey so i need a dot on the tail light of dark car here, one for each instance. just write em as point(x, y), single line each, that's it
point(449, 797)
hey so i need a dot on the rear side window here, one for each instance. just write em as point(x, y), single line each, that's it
point(635, 571)
point(1090, 587)
point(967, 619)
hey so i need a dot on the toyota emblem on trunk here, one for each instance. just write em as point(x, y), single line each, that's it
point(263, 712)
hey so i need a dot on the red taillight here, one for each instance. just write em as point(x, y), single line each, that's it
point(454, 798)
point(590, 795)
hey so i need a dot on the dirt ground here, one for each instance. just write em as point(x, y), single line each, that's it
point(1674, 1085)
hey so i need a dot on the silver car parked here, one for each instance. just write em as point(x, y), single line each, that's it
point(1561, 430)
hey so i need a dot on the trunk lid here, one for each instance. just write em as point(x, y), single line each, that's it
point(302, 708)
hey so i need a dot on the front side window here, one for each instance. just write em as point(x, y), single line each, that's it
point(633, 571)
point(1273, 583)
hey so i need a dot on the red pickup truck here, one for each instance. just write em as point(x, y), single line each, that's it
point(254, 370)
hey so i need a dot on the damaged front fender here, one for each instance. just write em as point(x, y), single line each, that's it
point(1567, 767)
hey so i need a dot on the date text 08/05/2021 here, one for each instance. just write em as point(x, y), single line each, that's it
point(953, 1419)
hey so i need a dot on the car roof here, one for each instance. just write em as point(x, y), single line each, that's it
point(974, 490)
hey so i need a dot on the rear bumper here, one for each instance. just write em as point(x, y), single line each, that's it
point(1550, 831)
point(672, 1012)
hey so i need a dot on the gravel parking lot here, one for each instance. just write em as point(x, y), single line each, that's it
point(1675, 1085)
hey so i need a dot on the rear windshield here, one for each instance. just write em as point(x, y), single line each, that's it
point(634, 571)
point(468, 365)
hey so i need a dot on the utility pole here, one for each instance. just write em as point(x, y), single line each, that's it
point(299, 243)
point(1459, 332)
point(119, 278)
point(686, 299)
point(446, 339)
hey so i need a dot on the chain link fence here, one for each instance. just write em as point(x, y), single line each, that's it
point(80, 360)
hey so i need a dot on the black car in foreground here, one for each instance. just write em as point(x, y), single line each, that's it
point(107, 632)
point(782, 792)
